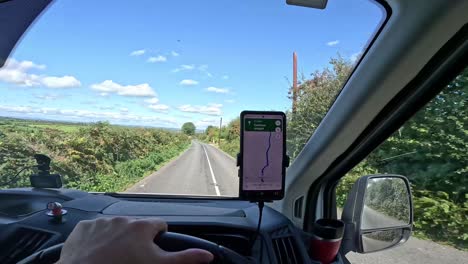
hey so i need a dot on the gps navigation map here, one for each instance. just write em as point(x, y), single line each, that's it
point(262, 152)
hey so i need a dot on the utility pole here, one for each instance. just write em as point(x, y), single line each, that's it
point(294, 82)
point(219, 134)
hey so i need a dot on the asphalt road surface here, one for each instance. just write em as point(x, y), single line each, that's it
point(415, 251)
point(375, 219)
point(201, 170)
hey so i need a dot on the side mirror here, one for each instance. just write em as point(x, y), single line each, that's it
point(378, 214)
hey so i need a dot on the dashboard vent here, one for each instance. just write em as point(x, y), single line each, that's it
point(285, 247)
point(21, 244)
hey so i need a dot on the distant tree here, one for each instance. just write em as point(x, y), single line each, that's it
point(209, 129)
point(211, 133)
point(188, 128)
point(233, 129)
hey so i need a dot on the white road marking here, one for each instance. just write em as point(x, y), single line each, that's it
point(212, 174)
point(224, 153)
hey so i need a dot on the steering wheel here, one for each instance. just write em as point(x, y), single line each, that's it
point(167, 241)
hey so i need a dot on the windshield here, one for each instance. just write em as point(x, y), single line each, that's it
point(145, 98)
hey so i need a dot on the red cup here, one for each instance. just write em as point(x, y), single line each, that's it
point(326, 240)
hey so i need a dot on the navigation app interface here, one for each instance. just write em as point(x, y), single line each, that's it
point(263, 152)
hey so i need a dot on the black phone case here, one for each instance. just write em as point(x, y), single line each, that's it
point(261, 195)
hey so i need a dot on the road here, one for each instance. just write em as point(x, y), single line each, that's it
point(195, 171)
point(374, 219)
point(201, 170)
point(415, 251)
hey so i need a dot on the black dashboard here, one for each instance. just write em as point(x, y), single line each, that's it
point(25, 227)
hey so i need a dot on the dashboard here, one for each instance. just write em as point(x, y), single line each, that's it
point(26, 228)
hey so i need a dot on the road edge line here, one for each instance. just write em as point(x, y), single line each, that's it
point(212, 173)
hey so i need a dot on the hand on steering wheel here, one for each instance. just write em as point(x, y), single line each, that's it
point(123, 240)
point(126, 240)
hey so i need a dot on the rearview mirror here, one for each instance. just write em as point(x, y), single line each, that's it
point(378, 214)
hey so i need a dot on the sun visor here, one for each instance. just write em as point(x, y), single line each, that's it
point(15, 18)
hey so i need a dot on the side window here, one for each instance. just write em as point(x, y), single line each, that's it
point(431, 150)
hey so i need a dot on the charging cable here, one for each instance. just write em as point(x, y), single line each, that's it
point(260, 213)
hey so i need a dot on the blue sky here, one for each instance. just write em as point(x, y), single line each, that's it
point(163, 63)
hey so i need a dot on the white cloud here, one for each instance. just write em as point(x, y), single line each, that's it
point(190, 67)
point(217, 90)
point(204, 69)
point(61, 82)
point(203, 123)
point(153, 100)
point(138, 52)
point(89, 102)
point(187, 67)
point(48, 97)
point(210, 109)
point(19, 77)
point(225, 77)
point(139, 90)
point(175, 54)
point(106, 107)
point(124, 110)
point(159, 58)
point(104, 94)
point(23, 65)
point(159, 107)
point(17, 109)
point(17, 72)
point(333, 43)
point(230, 101)
point(153, 105)
point(93, 116)
point(188, 82)
point(355, 56)
point(184, 67)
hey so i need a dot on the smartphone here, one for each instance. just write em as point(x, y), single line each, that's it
point(262, 158)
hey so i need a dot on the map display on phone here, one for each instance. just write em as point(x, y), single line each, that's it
point(262, 152)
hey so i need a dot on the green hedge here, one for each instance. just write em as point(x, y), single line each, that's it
point(98, 157)
point(231, 147)
point(438, 218)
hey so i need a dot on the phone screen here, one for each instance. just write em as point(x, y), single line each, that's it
point(263, 152)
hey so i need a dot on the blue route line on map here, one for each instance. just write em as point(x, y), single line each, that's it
point(268, 149)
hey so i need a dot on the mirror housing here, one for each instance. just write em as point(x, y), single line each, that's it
point(378, 214)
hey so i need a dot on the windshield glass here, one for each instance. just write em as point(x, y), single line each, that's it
point(145, 97)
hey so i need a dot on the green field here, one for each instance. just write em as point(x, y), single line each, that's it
point(61, 126)
point(89, 156)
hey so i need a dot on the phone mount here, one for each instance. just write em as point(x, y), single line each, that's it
point(43, 178)
point(43, 164)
